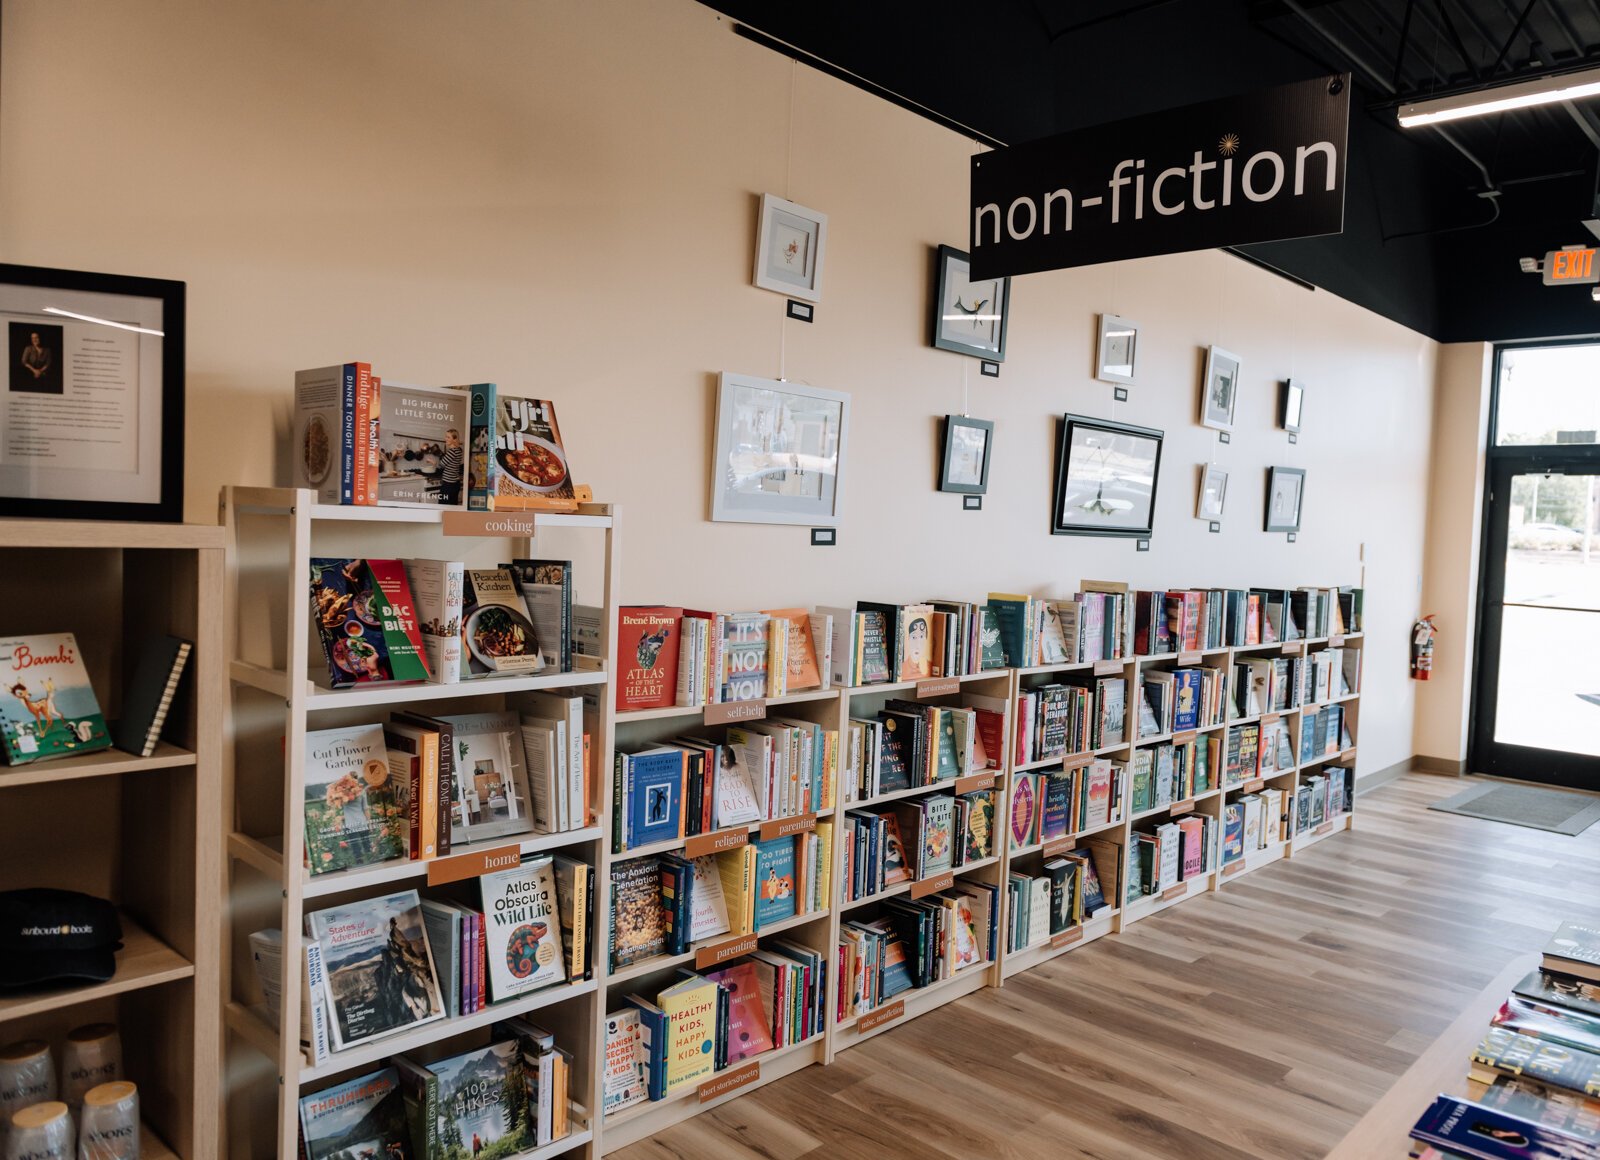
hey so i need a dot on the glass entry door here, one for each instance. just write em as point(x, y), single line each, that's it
point(1538, 707)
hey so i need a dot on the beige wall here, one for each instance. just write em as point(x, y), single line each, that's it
point(561, 197)
point(1450, 569)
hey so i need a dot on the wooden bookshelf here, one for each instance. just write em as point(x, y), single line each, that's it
point(280, 692)
point(143, 832)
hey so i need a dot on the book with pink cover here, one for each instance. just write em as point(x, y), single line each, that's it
point(748, 1033)
point(1194, 847)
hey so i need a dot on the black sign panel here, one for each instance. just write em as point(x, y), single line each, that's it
point(1258, 168)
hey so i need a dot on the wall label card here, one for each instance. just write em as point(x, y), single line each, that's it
point(885, 1014)
point(1120, 394)
point(1294, 438)
point(730, 1081)
point(972, 503)
point(1141, 545)
point(823, 537)
point(989, 369)
point(802, 311)
point(1266, 166)
point(715, 843)
point(730, 711)
point(784, 827)
point(1215, 526)
point(1224, 437)
point(938, 687)
point(1291, 537)
point(473, 864)
point(728, 948)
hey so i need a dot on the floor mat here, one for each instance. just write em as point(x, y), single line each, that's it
point(1525, 805)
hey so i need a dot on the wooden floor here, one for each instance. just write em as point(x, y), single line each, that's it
point(1260, 1021)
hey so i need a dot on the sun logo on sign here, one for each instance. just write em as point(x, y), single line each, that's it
point(1228, 144)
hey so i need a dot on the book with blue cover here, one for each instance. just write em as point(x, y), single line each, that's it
point(1057, 817)
point(1186, 715)
point(1232, 832)
point(655, 796)
point(1463, 1128)
point(775, 882)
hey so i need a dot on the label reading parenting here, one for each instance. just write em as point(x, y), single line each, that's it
point(783, 827)
point(721, 952)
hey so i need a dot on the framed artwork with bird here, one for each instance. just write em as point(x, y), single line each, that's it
point(969, 316)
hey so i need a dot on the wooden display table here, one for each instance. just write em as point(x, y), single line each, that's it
point(1385, 1129)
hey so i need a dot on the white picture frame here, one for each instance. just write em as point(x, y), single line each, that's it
point(1219, 393)
point(1116, 350)
point(790, 245)
point(1212, 495)
point(778, 451)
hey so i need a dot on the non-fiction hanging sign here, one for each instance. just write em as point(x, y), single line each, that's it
point(1258, 168)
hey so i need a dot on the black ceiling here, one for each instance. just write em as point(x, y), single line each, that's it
point(1435, 219)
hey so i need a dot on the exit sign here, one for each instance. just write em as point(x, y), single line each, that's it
point(1570, 267)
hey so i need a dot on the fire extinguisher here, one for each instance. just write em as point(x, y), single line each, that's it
point(1422, 634)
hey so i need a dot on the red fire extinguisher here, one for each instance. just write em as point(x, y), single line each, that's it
point(1422, 634)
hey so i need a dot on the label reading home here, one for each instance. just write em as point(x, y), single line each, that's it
point(1258, 168)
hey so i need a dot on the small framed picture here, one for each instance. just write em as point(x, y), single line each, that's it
point(1221, 390)
point(789, 248)
point(1117, 349)
point(1286, 488)
point(1213, 492)
point(969, 317)
point(1290, 404)
point(965, 466)
point(1105, 478)
point(779, 447)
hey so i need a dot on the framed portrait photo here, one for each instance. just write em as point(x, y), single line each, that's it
point(778, 451)
point(91, 418)
point(790, 244)
point(1213, 492)
point(969, 317)
point(1117, 351)
point(1219, 395)
point(964, 466)
point(1105, 478)
point(1286, 488)
point(1291, 403)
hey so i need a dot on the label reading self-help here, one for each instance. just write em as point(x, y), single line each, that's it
point(730, 711)
point(1076, 761)
point(1057, 847)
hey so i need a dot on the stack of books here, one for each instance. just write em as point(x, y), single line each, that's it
point(915, 743)
point(915, 839)
point(1071, 889)
point(1047, 806)
point(1173, 772)
point(675, 656)
point(1173, 853)
point(915, 943)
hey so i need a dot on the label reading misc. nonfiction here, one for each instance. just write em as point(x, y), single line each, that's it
point(885, 1014)
point(1266, 166)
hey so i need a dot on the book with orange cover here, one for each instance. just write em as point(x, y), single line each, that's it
point(802, 656)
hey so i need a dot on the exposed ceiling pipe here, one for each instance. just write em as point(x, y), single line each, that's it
point(1377, 78)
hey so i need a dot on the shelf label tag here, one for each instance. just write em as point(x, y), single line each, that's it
point(938, 687)
point(1348, 754)
point(1336, 640)
point(1325, 828)
point(1185, 737)
point(1183, 807)
point(721, 952)
point(885, 1014)
point(1294, 648)
point(515, 525)
point(975, 782)
point(731, 711)
point(1056, 847)
point(715, 842)
point(730, 1081)
point(1107, 668)
point(1066, 937)
point(923, 887)
point(1076, 761)
point(783, 827)
point(1186, 659)
point(1233, 868)
point(1172, 892)
point(1254, 784)
point(473, 864)
point(1271, 718)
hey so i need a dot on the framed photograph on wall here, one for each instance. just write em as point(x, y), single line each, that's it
point(1116, 352)
point(1291, 402)
point(969, 317)
point(1220, 393)
point(1213, 492)
point(965, 464)
point(1105, 478)
point(790, 245)
point(1285, 493)
point(778, 450)
point(91, 419)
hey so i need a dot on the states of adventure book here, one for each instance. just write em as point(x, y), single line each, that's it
point(366, 620)
point(359, 1118)
point(422, 447)
point(47, 706)
point(523, 929)
point(515, 460)
point(357, 812)
point(380, 977)
point(647, 657)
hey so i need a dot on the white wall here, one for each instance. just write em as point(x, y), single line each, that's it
point(561, 197)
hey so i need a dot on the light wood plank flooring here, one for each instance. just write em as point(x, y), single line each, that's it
point(1260, 1021)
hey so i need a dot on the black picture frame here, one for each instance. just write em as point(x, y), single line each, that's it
point(953, 471)
point(951, 289)
point(1291, 405)
point(1274, 476)
point(1074, 477)
point(36, 284)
